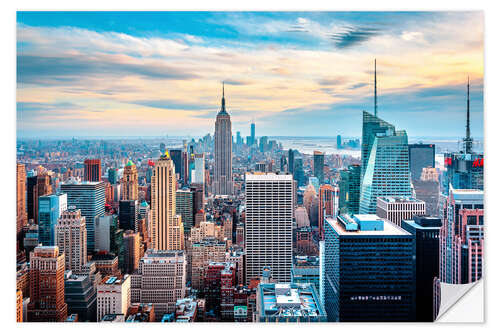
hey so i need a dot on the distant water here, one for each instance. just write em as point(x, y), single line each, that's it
point(309, 145)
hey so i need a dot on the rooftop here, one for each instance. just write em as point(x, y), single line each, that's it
point(267, 176)
point(402, 199)
point(289, 300)
point(347, 225)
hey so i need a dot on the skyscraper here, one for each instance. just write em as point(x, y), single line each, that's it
point(90, 198)
point(339, 142)
point(130, 182)
point(362, 286)
point(387, 172)
point(421, 156)
point(185, 208)
point(426, 230)
point(268, 226)
point(21, 218)
point(39, 186)
point(319, 165)
point(328, 206)
point(372, 126)
point(71, 238)
point(176, 155)
point(167, 232)
point(92, 170)
point(252, 132)
point(464, 169)
point(397, 209)
point(349, 189)
point(199, 167)
point(47, 285)
point(223, 175)
point(128, 214)
point(132, 251)
point(50, 208)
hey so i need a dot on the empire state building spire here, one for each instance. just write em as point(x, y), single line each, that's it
point(223, 105)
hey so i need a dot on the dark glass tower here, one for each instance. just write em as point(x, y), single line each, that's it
point(319, 164)
point(421, 156)
point(349, 188)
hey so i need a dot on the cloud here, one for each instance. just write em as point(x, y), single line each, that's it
point(173, 105)
point(60, 70)
point(332, 81)
point(351, 36)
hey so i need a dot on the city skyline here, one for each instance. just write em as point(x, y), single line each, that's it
point(156, 69)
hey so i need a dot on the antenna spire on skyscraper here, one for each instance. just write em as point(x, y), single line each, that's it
point(468, 139)
point(375, 104)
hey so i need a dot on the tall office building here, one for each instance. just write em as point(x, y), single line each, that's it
point(319, 165)
point(359, 285)
point(160, 280)
point(112, 176)
point(21, 218)
point(268, 225)
point(223, 175)
point(130, 182)
point(71, 238)
point(339, 142)
point(50, 208)
point(427, 189)
point(464, 169)
point(397, 209)
point(291, 158)
point(462, 236)
point(328, 206)
point(298, 170)
point(252, 133)
point(184, 207)
point(199, 167)
point(128, 214)
point(372, 127)
point(203, 252)
point(132, 251)
point(47, 285)
point(387, 172)
point(167, 232)
point(40, 187)
point(426, 231)
point(176, 155)
point(349, 189)
point(92, 170)
point(30, 196)
point(90, 199)
point(421, 156)
point(113, 296)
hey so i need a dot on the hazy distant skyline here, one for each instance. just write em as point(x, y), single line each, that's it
point(295, 73)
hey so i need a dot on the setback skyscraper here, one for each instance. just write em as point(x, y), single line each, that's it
point(130, 182)
point(167, 232)
point(223, 175)
point(71, 238)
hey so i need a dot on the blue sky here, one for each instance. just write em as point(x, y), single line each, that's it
point(295, 73)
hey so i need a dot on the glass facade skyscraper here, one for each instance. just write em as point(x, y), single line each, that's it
point(387, 172)
point(349, 188)
point(421, 156)
point(90, 198)
point(319, 164)
point(50, 208)
point(367, 270)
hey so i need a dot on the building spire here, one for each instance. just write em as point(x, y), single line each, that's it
point(468, 139)
point(223, 106)
point(375, 101)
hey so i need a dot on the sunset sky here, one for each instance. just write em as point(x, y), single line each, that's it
point(295, 73)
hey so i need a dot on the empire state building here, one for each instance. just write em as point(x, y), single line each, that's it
point(223, 179)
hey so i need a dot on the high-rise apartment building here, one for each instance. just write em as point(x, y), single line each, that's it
point(367, 270)
point(397, 209)
point(223, 174)
point(90, 199)
point(268, 225)
point(130, 182)
point(47, 285)
point(319, 165)
point(113, 296)
point(71, 238)
point(50, 208)
point(386, 172)
point(421, 156)
point(426, 231)
point(349, 189)
point(328, 205)
point(92, 170)
point(160, 280)
point(168, 231)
